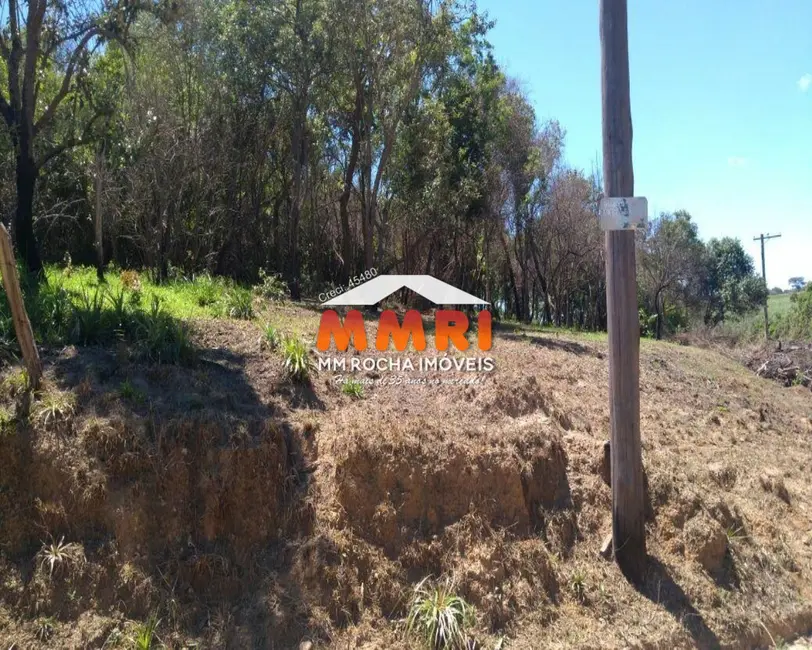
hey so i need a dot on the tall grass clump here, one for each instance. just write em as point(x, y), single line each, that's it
point(438, 617)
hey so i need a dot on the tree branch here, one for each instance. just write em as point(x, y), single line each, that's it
point(70, 143)
point(48, 115)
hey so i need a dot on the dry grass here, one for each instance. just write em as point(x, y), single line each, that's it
point(252, 511)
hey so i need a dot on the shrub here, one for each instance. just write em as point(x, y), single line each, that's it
point(88, 318)
point(271, 286)
point(58, 556)
point(272, 337)
point(239, 303)
point(54, 406)
point(206, 289)
point(298, 363)
point(160, 338)
point(438, 617)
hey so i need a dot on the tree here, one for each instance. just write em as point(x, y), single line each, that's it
point(730, 285)
point(669, 258)
point(46, 46)
point(797, 283)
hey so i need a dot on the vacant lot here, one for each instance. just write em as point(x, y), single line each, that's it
point(239, 507)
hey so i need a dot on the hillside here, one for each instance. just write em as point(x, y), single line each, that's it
point(245, 510)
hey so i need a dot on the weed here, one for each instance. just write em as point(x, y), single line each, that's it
point(239, 303)
point(88, 317)
point(16, 382)
point(6, 420)
point(271, 286)
point(130, 392)
point(298, 363)
point(353, 388)
point(439, 617)
point(577, 585)
point(272, 337)
point(207, 290)
point(144, 635)
point(57, 556)
point(45, 628)
point(735, 534)
point(54, 406)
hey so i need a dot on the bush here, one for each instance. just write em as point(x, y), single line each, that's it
point(207, 290)
point(271, 286)
point(438, 617)
point(240, 303)
point(797, 322)
point(272, 336)
point(298, 364)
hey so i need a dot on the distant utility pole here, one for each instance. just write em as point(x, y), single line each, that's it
point(763, 237)
point(620, 213)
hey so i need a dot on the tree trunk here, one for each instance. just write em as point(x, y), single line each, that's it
point(355, 147)
point(24, 217)
point(98, 215)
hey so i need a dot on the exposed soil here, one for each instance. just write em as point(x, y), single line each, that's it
point(252, 512)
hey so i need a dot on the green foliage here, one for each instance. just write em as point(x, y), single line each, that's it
point(796, 322)
point(271, 336)
point(74, 308)
point(130, 392)
point(271, 286)
point(438, 617)
point(298, 362)
point(239, 303)
point(207, 290)
point(730, 286)
point(144, 636)
point(353, 388)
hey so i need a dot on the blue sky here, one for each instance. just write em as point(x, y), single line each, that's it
point(721, 94)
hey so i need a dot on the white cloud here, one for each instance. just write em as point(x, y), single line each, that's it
point(737, 161)
point(805, 82)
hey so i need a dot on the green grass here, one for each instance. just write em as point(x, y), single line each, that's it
point(181, 299)
point(74, 307)
point(779, 304)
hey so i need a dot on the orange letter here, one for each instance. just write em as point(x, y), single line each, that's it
point(389, 327)
point(331, 326)
point(444, 330)
point(484, 334)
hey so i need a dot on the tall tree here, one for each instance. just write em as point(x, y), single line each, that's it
point(52, 41)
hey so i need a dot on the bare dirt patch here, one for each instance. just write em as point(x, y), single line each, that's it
point(253, 512)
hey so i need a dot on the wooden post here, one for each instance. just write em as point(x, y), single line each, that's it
point(762, 237)
point(22, 326)
point(628, 500)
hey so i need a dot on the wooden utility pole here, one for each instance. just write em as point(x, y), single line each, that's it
point(763, 237)
point(22, 326)
point(628, 494)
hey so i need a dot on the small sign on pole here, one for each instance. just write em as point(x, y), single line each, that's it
point(623, 213)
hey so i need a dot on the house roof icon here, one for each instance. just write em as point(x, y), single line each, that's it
point(378, 288)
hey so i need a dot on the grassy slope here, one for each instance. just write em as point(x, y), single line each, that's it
point(726, 454)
